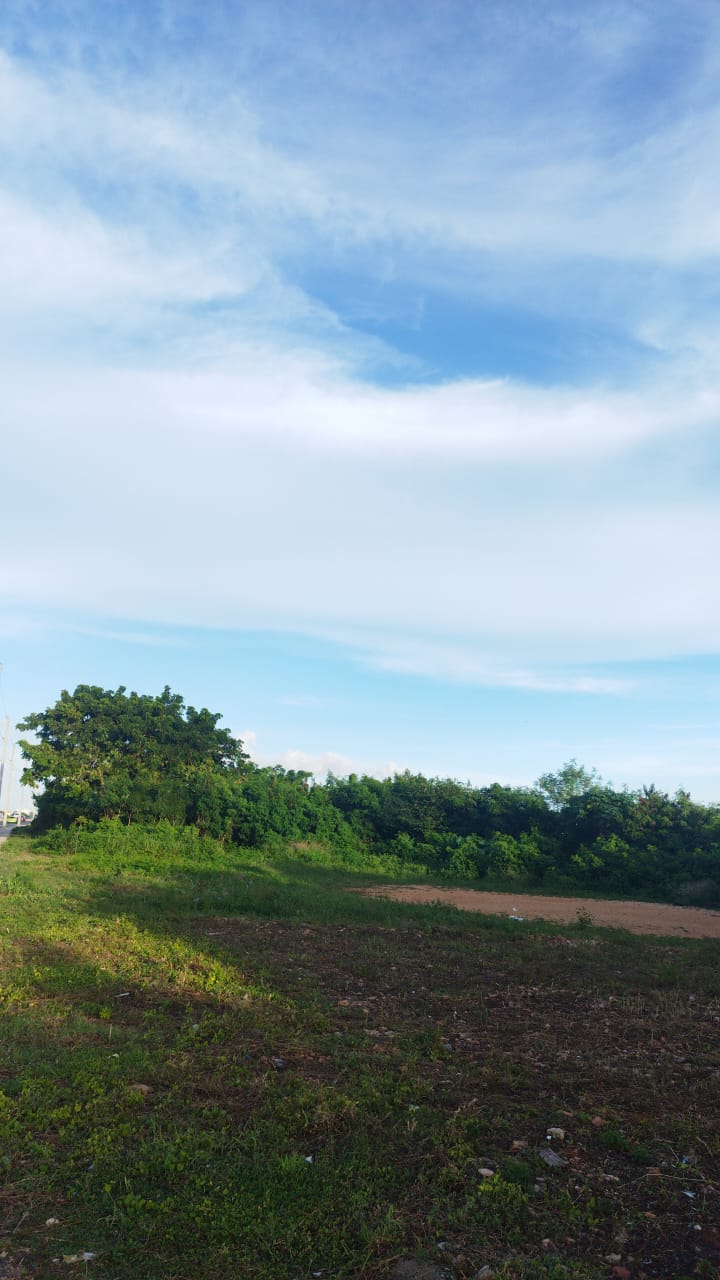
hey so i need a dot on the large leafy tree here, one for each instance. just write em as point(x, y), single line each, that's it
point(103, 752)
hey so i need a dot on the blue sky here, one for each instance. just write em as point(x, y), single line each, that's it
point(359, 376)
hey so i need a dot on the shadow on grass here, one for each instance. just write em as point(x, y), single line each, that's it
point(163, 888)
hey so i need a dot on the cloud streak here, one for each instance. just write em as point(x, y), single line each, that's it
point(260, 393)
point(463, 665)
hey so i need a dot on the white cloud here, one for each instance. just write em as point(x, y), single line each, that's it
point(250, 495)
point(464, 665)
point(73, 262)
point(173, 525)
point(317, 763)
point(248, 737)
point(258, 392)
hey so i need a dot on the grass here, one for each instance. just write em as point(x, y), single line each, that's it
point(216, 1065)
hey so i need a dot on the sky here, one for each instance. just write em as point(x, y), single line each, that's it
point(359, 376)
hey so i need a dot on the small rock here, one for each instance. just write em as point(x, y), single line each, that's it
point(486, 1173)
point(278, 1063)
point(519, 1144)
point(597, 1121)
point(613, 1257)
point(52, 1222)
point(550, 1157)
point(554, 1132)
point(142, 1090)
point(485, 1273)
point(411, 1269)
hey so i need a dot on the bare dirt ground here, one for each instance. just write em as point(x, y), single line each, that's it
point(469, 1046)
point(637, 917)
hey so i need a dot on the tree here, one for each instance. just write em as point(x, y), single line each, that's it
point(557, 789)
point(109, 753)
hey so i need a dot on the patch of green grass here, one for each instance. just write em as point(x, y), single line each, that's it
point(613, 1140)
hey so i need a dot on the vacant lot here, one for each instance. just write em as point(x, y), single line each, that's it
point(240, 1070)
point(638, 917)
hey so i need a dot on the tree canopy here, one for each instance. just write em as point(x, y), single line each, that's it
point(103, 752)
point(570, 781)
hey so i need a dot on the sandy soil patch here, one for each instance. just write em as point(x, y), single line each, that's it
point(638, 917)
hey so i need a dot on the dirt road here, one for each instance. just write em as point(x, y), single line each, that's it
point(638, 917)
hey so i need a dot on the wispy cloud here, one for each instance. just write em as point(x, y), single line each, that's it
point(464, 665)
point(249, 173)
point(81, 264)
point(316, 405)
point(178, 519)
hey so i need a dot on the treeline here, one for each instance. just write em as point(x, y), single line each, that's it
point(109, 754)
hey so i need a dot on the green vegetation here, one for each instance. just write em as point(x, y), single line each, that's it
point(219, 1062)
point(102, 753)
